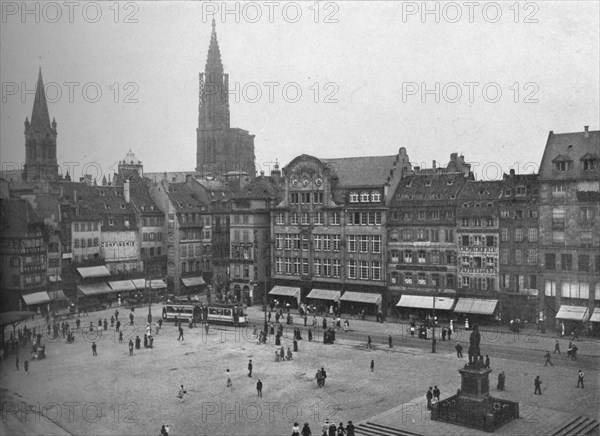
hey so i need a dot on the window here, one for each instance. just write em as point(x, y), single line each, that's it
point(532, 256)
point(318, 218)
point(586, 214)
point(435, 257)
point(278, 241)
point(294, 219)
point(421, 235)
point(111, 222)
point(75, 243)
point(550, 261)
point(465, 222)
point(504, 256)
point(558, 236)
point(317, 267)
point(518, 257)
point(583, 263)
point(83, 242)
point(296, 266)
point(395, 256)
point(304, 218)
point(449, 235)
point(280, 218)
point(566, 261)
point(364, 270)
point(408, 256)
point(585, 237)
point(351, 269)
point(305, 198)
point(504, 235)
point(294, 198)
point(558, 218)
point(327, 267)
point(376, 270)
point(288, 265)
point(435, 235)
point(375, 197)
point(421, 279)
point(504, 213)
point(407, 216)
point(422, 215)
point(561, 165)
point(75, 226)
point(318, 242)
point(464, 240)
point(408, 279)
point(184, 251)
point(550, 288)
point(558, 190)
point(521, 191)
point(351, 244)
point(364, 244)
point(364, 197)
point(305, 242)
point(477, 222)
point(353, 197)
point(337, 268)
point(519, 235)
point(376, 244)
point(466, 281)
point(532, 234)
point(334, 218)
point(421, 257)
point(336, 243)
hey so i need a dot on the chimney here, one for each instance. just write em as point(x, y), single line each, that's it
point(126, 191)
point(74, 194)
point(586, 131)
point(433, 164)
point(512, 172)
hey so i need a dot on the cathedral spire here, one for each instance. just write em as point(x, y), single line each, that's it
point(213, 60)
point(40, 116)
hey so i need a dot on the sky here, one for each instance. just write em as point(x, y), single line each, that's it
point(330, 79)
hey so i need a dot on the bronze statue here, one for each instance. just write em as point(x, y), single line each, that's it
point(474, 340)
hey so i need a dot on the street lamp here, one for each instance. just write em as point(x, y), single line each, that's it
point(433, 340)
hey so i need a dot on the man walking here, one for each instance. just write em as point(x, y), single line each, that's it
point(390, 341)
point(372, 365)
point(17, 362)
point(94, 349)
point(130, 347)
point(180, 337)
point(429, 396)
point(459, 349)
point(250, 368)
point(538, 386)
point(548, 361)
point(369, 344)
point(557, 347)
point(228, 374)
point(259, 387)
point(580, 379)
point(436, 393)
point(26, 366)
point(181, 393)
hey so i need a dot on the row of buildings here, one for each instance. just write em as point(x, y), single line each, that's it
point(367, 233)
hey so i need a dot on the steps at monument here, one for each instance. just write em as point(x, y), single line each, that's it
point(372, 429)
point(578, 426)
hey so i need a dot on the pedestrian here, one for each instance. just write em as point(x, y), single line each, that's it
point(557, 347)
point(332, 429)
point(487, 361)
point(459, 349)
point(305, 319)
point(306, 430)
point(501, 378)
point(295, 346)
point(94, 349)
point(250, 368)
point(295, 429)
point(346, 325)
point(580, 379)
point(372, 365)
point(26, 366)
point(228, 374)
point(160, 323)
point(151, 341)
point(310, 336)
point(538, 386)
point(181, 393)
point(164, 431)
point(429, 396)
point(436, 393)
point(390, 341)
point(131, 319)
point(117, 325)
point(157, 327)
point(259, 386)
point(138, 341)
point(112, 321)
point(341, 431)
point(206, 328)
point(449, 331)
point(324, 323)
point(324, 375)
point(120, 336)
point(350, 429)
point(105, 324)
point(369, 342)
point(180, 337)
point(17, 362)
point(548, 361)
point(276, 356)
point(130, 347)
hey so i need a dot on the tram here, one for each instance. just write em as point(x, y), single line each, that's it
point(182, 312)
point(213, 313)
point(230, 314)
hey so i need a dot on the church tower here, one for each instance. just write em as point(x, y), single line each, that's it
point(40, 139)
point(220, 148)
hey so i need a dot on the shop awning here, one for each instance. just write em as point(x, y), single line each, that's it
point(574, 313)
point(94, 289)
point(286, 291)
point(595, 316)
point(425, 302)
point(122, 285)
point(475, 306)
point(93, 272)
point(362, 297)
point(193, 281)
point(54, 278)
point(324, 294)
point(36, 298)
point(57, 295)
point(155, 284)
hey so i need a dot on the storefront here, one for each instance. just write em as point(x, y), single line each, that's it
point(419, 307)
point(573, 317)
point(284, 295)
point(323, 299)
point(475, 310)
point(360, 302)
point(192, 285)
point(36, 301)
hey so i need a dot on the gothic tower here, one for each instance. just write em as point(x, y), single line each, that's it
point(220, 148)
point(40, 139)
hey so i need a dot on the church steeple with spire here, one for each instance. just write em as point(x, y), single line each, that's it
point(220, 149)
point(40, 139)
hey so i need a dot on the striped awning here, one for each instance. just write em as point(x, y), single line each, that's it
point(122, 285)
point(475, 306)
point(95, 289)
point(425, 302)
point(573, 313)
point(193, 281)
point(361, 297)
point(93, 272)
point(155, 284)
point(286, 291)
point(36, 298)
point(324, 294)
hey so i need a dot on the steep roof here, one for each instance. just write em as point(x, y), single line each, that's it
point(186, 199)
point(364, 171)
point(429, 187)
point(17, 215)
point(260, 188)
point(40, 116)
point(572, 147)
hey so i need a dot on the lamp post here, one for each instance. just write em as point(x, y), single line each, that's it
point(433, 340)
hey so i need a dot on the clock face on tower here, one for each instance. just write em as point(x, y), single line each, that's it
point(319, 181)
point(305, 182)
point(294, 182)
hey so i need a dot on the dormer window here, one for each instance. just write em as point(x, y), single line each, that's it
point(364, 197)
point(449, 182)
point(560, 166)
point(428, 183)
point(353, 197)
point(126, 222)
point(589, 162)
point(102, 193)
point(106, 206)
point(521, 191)
point(375, 197)
point(122, 206)
point(508, 192)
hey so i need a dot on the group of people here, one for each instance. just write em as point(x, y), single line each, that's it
point(329, 429)
point(432, 396)
point(281, 356)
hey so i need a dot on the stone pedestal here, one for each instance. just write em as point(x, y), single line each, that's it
point(475, 383)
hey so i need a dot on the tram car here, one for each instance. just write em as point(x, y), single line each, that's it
point(184, 312)
point(229, 314)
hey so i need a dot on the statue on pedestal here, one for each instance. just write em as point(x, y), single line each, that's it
point(474, 341)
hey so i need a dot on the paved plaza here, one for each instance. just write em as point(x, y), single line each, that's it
point(114, 393)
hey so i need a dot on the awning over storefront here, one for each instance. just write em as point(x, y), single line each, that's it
point(595, 316)
point(324, 294)
point(425, 302)
point(54, 278)
point(573, 313)
point(57, 295)
point(36, 298)
point(94, 289)
point(93, 272)
point(362, 297)
point(286, 291)
point(155, 284)
point(122, 285)
point(193, 281)
point(475, 306)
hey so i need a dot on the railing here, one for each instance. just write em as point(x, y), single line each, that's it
point(488, 415)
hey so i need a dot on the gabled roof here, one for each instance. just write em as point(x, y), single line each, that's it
point(429, 187)
point(259, 188)
point(17, 217)
point(185, 199)
point(364, 171)
point(570, 147)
